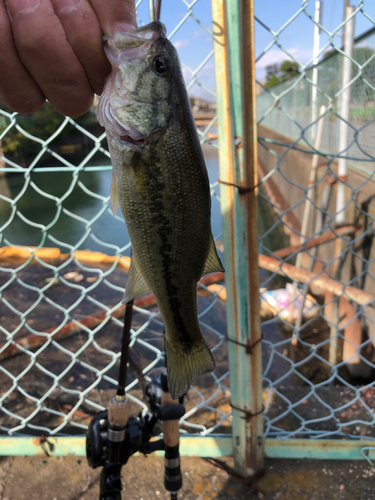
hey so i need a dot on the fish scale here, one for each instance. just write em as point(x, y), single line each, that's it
point(162, 187)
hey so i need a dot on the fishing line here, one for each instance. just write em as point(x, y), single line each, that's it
point(155, 9)
point(125, 349)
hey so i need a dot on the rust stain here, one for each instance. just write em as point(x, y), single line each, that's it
point(47, 446)
point(254, 446)
point(238, 142)
point(36, 441)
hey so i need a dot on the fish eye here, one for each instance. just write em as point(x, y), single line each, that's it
point(160, 64)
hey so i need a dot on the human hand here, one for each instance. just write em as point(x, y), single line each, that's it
point(52, 49)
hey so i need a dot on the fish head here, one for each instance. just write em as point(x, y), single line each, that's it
point(135, 106)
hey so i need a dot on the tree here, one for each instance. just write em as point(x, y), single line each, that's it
point(276, 74)
point(360, 90)
point(41, 124)
point(272, 79)
point(289, 69)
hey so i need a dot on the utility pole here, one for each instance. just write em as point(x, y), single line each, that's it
point(316, 46)
point(346, 5)
point(348, 43)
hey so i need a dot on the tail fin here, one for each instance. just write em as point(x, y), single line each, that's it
point(184, 367)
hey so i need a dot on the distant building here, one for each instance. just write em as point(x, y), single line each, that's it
point(199, 105)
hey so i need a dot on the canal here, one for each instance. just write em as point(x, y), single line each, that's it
point(67, 209)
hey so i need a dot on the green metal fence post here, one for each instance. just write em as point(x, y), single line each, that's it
point(235, 84)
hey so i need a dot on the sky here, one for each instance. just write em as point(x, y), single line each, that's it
point(194, 44)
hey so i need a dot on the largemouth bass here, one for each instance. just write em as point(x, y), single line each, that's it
point(161, 183)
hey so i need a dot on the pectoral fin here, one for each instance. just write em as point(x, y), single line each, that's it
point(114, 195)
point(213, 263)
point(136, 284)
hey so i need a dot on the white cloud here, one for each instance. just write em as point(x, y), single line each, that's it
point(275, 56)
point(180, 44)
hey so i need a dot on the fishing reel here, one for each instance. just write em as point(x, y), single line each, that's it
point(110, 446)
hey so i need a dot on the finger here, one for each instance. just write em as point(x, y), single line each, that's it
point(18, 91)
point(115, 15)
point(45, 52)
point(84, 35)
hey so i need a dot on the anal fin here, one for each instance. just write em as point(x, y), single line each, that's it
point(136, 283)
point(213, 263)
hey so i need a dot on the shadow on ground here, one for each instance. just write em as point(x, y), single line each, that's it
point(69, 478)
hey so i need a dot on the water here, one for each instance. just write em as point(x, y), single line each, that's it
point(59, 209)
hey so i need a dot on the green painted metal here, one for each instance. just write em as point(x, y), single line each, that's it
point(66, 445)
point(331, 449)
point(207, 446)
point(203, 446)
point(246, 391)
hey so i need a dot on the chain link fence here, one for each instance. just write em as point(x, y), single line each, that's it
point(64, 261)
point(64, 258)
point(293, 115)
point(318, 294)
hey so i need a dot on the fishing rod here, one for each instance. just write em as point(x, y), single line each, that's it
point(114, 435)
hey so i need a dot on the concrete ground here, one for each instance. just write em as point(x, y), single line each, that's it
point(69, 478)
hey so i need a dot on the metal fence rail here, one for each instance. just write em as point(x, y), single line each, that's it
point(63, 268)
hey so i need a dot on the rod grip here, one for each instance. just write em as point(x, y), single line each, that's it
point(171, 431)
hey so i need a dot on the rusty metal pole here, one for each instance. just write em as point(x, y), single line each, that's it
point(233, 29)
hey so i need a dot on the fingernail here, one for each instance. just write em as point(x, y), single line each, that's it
point(20, 7)
point(65, 6)
point(122, 27)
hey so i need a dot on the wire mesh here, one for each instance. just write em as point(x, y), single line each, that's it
point(64, 258)
point(318, 349)
point(64, 262)
point(293, 113)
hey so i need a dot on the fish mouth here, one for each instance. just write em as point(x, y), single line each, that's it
point(129, 137)
point(135, 41)
point(125, 134)
point(129, 140)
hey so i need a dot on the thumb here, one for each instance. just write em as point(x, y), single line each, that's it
point(115, 15)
